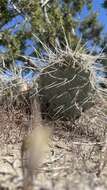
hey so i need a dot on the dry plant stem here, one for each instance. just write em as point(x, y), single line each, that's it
point(36, 119)
point(30, 151)
point(103, 157)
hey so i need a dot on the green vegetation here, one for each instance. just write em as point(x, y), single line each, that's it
point(52, 21)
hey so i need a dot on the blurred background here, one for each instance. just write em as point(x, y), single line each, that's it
point(22, 22)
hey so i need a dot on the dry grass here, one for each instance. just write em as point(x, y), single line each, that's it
point(77, 156)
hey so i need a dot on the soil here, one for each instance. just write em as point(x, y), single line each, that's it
point(76, 159)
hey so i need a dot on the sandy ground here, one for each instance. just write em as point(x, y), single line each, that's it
point(76, 159)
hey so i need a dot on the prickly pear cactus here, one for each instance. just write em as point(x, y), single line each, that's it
point(65, 89)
